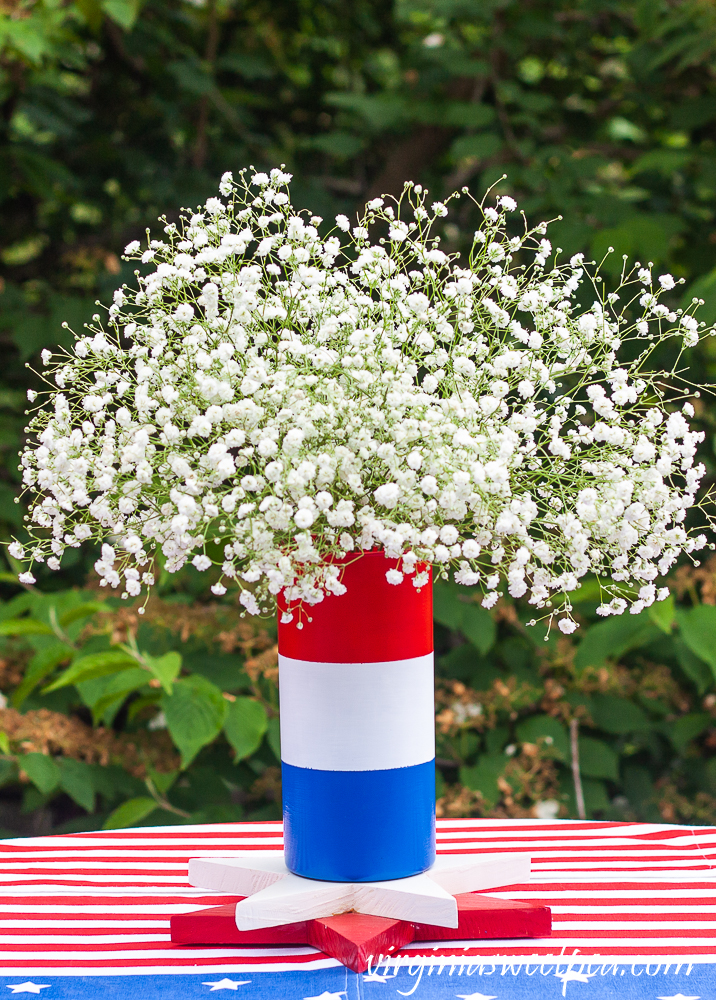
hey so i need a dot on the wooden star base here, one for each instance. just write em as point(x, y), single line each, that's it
point(358, 939)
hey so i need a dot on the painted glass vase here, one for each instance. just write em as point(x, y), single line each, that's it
point(356, 689)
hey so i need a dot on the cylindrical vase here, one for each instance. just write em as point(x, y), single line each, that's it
point(356, 689)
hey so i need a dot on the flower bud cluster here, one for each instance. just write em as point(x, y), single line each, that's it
point(268, 399)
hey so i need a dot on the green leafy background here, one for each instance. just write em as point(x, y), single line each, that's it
point(600, 114)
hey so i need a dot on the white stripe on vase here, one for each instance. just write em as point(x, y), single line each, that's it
point(357, 716)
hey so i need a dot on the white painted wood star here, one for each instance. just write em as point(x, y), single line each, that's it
point(276, 896)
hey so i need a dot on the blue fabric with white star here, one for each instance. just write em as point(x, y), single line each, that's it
point(591, 980)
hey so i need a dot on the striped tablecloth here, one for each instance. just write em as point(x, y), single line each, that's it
point(85, 916)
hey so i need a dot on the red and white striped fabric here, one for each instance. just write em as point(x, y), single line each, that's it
point(101, 902)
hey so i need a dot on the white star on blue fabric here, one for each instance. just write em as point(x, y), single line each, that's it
point(572, 976)
point(678, 996)
point(27, 987)
point(474, 996)
point(327, 996)
point(227, 984)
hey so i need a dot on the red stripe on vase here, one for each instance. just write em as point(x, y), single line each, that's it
point(375, 620)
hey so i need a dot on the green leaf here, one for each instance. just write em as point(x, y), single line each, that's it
point(703, 288)
point(611, 638)
point(687, 728)
point(17, 605)
point(638, 786)
point(482, 776)
point(122, 12)
point(8, 772)
point(698, 630)
point(589, 589)
point(250, 65)
point(195, 712)
point(162, 780)
point(451, 609)
point(41, 664)
point(91, 12)
point(82, 611)
point(245, 725)
point(223, 669)
point(24, 250)
point(478, 626)
point(466, 114)
point(77, 779)
point(621, 128)
point(25, 626)
point(42, 771)
point(165, 668)
point(130, 812)
point(662, 614)
point(644, 236)
point(273, 736)
point(663, 161)
point(597, 759)
point(138, 705)
point(694, 113)
point(4, 742)
point(548, 732)
point(380, 111)
point(115, 784)
point(447, 608)
point(104, 696)
point(694, 667)
point(595, 796)
point(340, 144)
point(478, 147)
point(94, 665)
point(618, 715)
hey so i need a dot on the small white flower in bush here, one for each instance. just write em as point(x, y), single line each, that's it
point(269, 398)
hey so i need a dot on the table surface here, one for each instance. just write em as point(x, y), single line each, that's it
point(633, 904)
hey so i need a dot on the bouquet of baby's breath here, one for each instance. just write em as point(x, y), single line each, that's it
point(270, 399)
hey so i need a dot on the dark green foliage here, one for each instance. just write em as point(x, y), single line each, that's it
point(602, 112)
point(510, 715)
point(110, 733)
point(615, 701)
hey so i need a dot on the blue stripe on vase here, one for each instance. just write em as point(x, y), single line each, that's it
point(359, 826)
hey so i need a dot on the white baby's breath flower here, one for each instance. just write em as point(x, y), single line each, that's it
point(567, 626)
point(388, 495)
point(546, 809)
point(159, 721)
point(260, 393)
